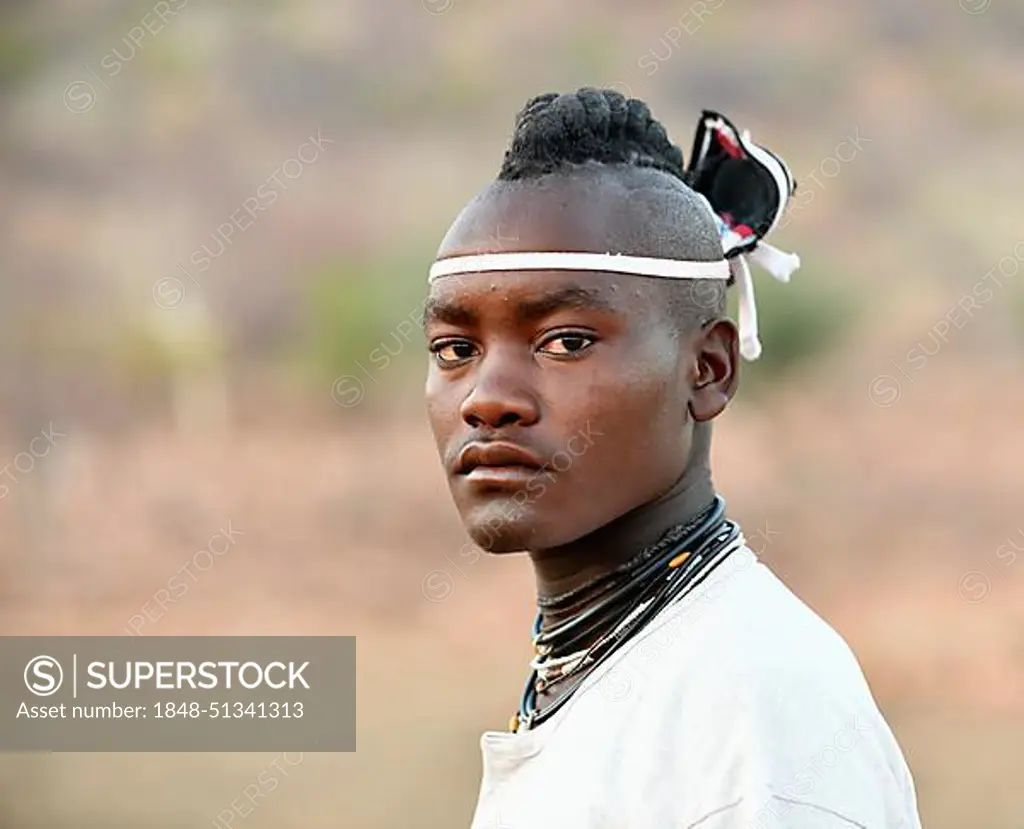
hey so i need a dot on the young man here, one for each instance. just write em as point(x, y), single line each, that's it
point(579, 355)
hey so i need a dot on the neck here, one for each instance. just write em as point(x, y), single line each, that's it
point(567, 567)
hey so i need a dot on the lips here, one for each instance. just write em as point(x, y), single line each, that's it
point(496, 455)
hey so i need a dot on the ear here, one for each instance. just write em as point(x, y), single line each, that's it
point(715, 378)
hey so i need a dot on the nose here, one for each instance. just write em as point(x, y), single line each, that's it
point(500, 397)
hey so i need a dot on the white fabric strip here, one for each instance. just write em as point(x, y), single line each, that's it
point(778, 263)
point(570, 261)
point(750, 343)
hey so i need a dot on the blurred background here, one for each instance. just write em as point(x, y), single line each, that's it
point(215, 226)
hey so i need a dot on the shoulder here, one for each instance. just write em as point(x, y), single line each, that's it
point(764, 635)
point(743, 626)
point(762, 701)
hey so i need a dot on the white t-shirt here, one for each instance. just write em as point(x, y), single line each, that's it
point(737, 707)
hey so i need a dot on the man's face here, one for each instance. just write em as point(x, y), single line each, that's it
point(559, 400)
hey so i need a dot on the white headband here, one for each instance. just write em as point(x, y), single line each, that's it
point(779, 264)
point(561, 261)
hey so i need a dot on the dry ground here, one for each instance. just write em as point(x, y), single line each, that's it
point(876, 512)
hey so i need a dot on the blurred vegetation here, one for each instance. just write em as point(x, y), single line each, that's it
point(366, 310)
point(144, 352)
point(19, 55)
point(801, 323)
point(1017, 317)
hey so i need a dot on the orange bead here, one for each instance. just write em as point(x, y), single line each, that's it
point(679, 559)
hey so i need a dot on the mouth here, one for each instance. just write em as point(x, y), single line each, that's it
point(499, 477)
point(497, 462)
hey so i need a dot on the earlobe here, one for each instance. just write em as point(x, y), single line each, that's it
point(708, 402)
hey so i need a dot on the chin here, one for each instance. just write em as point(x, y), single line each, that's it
point(498, 544)
point(494, 530)
point(503, 538)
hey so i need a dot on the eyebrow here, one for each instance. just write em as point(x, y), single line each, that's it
point(527, 311)
point(572, 296)
point(447, 311)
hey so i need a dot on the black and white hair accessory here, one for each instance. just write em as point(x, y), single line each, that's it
point(747, 188)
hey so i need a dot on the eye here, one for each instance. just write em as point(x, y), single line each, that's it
point(450, 353)
point(567, 344)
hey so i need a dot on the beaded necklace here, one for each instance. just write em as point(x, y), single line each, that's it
point(631, 596)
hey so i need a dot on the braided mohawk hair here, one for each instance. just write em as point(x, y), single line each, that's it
point(601, 125)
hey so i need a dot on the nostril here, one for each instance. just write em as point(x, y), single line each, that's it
point(495, 409)
point(504, 419)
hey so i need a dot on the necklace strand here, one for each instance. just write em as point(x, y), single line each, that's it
point(625, 570)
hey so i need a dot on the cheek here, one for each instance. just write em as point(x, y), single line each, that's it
point(636, 421)
point(643, 402)
point(443, 409)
